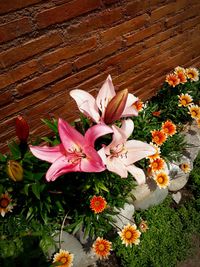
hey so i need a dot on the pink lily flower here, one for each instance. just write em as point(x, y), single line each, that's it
point(96, 109)
point(76, 153)
point(120, 154)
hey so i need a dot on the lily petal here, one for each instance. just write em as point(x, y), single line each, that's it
point(116, 165)
point(106, 93)
point(129, 110)
point(86, 104)
point(137, 173)
point(60, 167)
point(49, 154)
point(92, 162)
point(137, 150)
point(95, 132)
point(127, 127)
point(69, 136)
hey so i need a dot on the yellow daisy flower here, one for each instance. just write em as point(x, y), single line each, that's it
point(179, 69)
point(192, 74)
point(162, 179)
point(156, 155)
point(194, 111)
point(184, 100)
point(130, 235)
point(102, 248)
point(64, 258)
point(185, 167)
point(5, 204)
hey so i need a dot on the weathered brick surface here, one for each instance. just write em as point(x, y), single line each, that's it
point(51, 47)
point(66, 11)
point(14, 29)
point(29, 49)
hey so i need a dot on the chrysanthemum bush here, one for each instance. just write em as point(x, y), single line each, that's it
point(77, 178)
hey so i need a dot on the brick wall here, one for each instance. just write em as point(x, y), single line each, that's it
point(50, 47)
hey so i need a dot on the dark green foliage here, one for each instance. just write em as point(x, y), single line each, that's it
point(168, 239)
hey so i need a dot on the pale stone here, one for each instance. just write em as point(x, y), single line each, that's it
point(125, 216)
point(177, 197)
point(71, 244)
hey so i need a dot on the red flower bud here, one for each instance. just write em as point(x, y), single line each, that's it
point(116, 107)
point(22, 128)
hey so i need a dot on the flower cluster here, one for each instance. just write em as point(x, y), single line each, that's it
point(85, 172)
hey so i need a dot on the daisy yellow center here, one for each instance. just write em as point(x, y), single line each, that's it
point(194, 112)
point(4, 202)
point(155, 164)
point(191, 74)
point(128, 234)
point(97, 203)
point(101, 247)
point(64, 260)
point(156, 138)
point(160, 180)
point(183, 102)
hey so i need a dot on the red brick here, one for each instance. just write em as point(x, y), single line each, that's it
point(142, 34)
point(190, 23)
point(162, 11)
point(74, 79)
point(5, 98)
point(95, 22)
point(124, 28)
point(172, 42)
point(29, 49)
point(133, 61)
point(120, 57)
point(160, 37)
point(68, 52)
point(65, 12)
point(20, 104)
point(183, 16)
point(7, 5)
point(109, 2)
point(134, 7)
point(14, 29)
point(31, 85)
point(18, 73)
point(97, 55)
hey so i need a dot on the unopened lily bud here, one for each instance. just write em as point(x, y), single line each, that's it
point(22, 128)
point(15, 171)
point(116, 107)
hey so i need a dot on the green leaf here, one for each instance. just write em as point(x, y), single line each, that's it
point(36, 190)
point(15, 150)
point(52, 125)
point(2, 158)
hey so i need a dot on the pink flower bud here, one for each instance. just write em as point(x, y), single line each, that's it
point(116, 107)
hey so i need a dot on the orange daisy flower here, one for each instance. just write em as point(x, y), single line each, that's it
point(143, 226)
point(138, 105)
point(162, 179)
point(185, 100)
point(192, 74)
point(185, 167)
point(98, 204)
point(158, 137)
point(169, 128)
point(180, 72)
point(130, 235)
point(194, 111)
point(5, 204)
point(102, 248)
point(156, 155)
point(172, 79)
point(156, 113)
point(157, 164)
point(64, 258)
